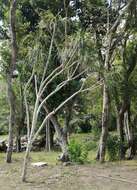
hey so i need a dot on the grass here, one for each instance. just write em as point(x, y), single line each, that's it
point(80, 137)
point(58, 177)
point(52, 156)
point(3, 137)
point(49, 157)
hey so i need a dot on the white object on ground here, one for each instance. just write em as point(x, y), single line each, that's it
point(39, 164)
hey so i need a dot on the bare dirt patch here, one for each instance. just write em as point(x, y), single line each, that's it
point(86, 177)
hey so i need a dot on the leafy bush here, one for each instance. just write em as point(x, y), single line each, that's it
point(77, 152)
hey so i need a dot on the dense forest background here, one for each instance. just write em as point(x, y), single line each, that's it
point(68, 69)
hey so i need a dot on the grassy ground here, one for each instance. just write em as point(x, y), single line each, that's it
point(109, 176)
point(49, 157)
point(90, 176)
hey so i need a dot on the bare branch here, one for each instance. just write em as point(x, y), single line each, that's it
point(99, 83)
point(49, 54)
point(54, 76)
point(36, 84)
point(26, 103)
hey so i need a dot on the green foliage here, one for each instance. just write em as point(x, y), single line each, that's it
point(96, 132)
point(78, 152)
point(91, 145)
point(85, 22)
point(113, 145)
point(4, 111)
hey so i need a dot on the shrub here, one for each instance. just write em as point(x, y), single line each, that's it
point(77, 152)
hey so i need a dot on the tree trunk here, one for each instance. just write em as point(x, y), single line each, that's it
point(21, 120)
point(106, 99)
point(48, 135)
point(129, 134)
point(52, 132)
point(105, 123)
point(64, 157)
point(11, 96)
point(18, 140)
point(11, 121)
point(120, 128)
point(66, 128)
point(26, 160)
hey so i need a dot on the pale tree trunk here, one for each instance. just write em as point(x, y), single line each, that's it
point(106, 99)
point(125, 129)
point(26, 161)
point(11, 96)
point(129, 131)
point(106, 105)
point(105, 124)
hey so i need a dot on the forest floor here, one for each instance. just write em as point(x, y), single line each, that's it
point(93, 176)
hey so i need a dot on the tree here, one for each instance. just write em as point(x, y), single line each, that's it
point(69, 66)
point(10, 76)
point(104, 21)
